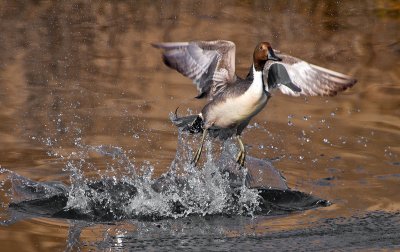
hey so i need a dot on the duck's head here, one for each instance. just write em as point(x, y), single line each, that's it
point(262, 53)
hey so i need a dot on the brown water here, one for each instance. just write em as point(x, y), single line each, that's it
point(76, 70)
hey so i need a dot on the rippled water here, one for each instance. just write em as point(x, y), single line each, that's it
point(85, 98)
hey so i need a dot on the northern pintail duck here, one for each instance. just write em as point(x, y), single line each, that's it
point(233, 101)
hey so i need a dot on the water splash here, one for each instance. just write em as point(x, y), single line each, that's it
point(106, 184)
point(188, 190)
point(125, 190)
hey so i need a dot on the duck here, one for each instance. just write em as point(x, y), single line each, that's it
point(232, 100)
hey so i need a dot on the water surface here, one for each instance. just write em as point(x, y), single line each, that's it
point(76, 75)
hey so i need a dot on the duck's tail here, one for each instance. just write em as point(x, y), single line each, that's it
point(191, 123)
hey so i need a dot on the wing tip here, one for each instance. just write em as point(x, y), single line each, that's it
point(353, 82)
point(169, 45)
point(349, 84)
point(156, 44)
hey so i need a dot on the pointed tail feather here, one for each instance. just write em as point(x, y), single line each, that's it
point(191, 123)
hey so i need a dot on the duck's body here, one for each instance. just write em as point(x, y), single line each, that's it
point(237, 104)
point(234, 100)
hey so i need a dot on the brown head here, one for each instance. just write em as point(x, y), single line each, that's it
point(262, 53)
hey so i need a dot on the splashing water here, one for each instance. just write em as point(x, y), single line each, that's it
point(106, 184)
point(124, 190)
point(188, 190)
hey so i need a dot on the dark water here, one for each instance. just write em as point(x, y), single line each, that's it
point(84, 97)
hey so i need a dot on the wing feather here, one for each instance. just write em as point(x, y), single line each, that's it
point(209, 64)
point(311, 79)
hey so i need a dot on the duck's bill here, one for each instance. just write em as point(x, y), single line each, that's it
point(272, 55)
point(293, 87)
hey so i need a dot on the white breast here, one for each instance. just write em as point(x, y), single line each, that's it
point(238, 109)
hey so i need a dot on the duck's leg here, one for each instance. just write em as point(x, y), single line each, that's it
point(242, 153)
point(200, 149)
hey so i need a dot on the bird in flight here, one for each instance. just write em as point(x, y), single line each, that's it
point(233, 101)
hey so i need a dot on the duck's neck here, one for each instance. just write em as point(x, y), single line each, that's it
point(258, 64)
point(256, 76)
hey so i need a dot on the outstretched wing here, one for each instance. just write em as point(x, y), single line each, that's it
point(210, 64)
point(311, 79)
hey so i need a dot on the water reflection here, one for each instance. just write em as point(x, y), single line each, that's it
point(240, 233)
point(80, 70)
